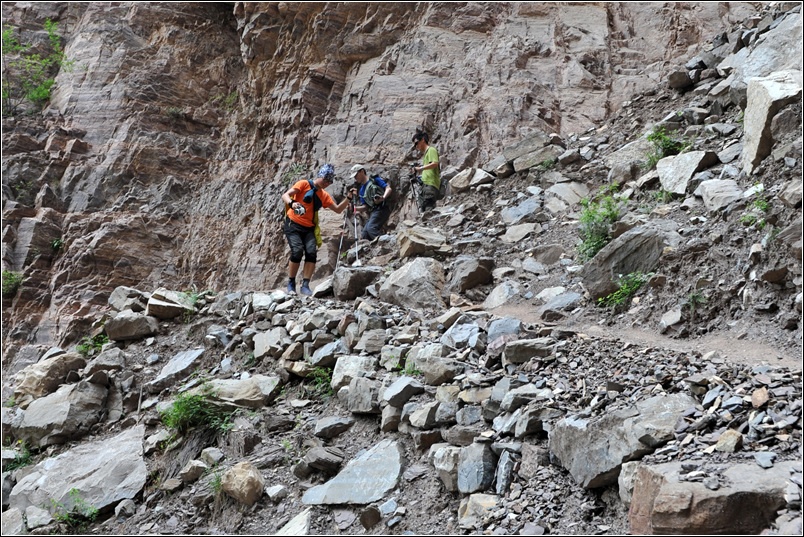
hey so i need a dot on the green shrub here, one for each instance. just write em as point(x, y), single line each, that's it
point(664, 145)
point(596, 219)
point(196, 410)
point(547, 164)
point(175, 113)
point(293, 174)
point(628, 286)
point(22, 457)
point(29, 76)
point(762, 204)
point(91, 345)
point(227, 102)
point(56, 244)
point(321, 379)
point(11, 283)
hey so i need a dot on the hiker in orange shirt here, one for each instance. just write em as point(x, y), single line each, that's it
point(303, 201)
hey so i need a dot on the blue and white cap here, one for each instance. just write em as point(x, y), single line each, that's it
point(327, 172)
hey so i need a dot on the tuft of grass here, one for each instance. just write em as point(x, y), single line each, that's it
point(57, 244)
point(628, 286)
point(291, 454)
point(217, 482)
point(228, 102)
point(175, 113)
point(663, 196)
point(293, 174)
point(196, 410)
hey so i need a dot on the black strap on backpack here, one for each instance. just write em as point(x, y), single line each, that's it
point(313, 193)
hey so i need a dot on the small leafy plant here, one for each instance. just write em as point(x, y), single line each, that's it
point(751, 219)
point(91, 345)
point(293, 174)
point(596, 219)
point(695, 300)
point(663, 196)
point(321, 379)
point(628, 286)
point(22, 457)
point(78, 515)
point(664, 145)
point(11, 283)
point(56, 244)
point(175, 113)
point(410, 369)
point(217, 481)
point(291, 454)
point(762, 204)
point(228, 102)
point(547, 164)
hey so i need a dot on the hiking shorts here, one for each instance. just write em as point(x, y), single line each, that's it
point(301, 240)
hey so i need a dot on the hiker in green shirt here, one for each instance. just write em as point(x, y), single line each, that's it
point(430, 171)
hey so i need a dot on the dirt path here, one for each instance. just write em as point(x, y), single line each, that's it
point(730, 345)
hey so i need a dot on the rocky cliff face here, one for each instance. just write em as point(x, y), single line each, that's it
point(460, 368)
point(162, 152)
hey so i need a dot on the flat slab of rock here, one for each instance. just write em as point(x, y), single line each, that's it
point(364, 480)
point(594, 450)
point(104, 472)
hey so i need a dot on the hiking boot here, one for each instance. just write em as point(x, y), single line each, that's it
point(291, 288)
point(305, 290)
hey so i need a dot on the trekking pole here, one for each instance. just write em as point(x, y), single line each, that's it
point(416, 186)
point(354, 215)
point(340, 246)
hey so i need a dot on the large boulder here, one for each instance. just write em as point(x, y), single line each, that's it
point(418, 284)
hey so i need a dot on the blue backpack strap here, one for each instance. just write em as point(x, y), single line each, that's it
point(317, 203)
